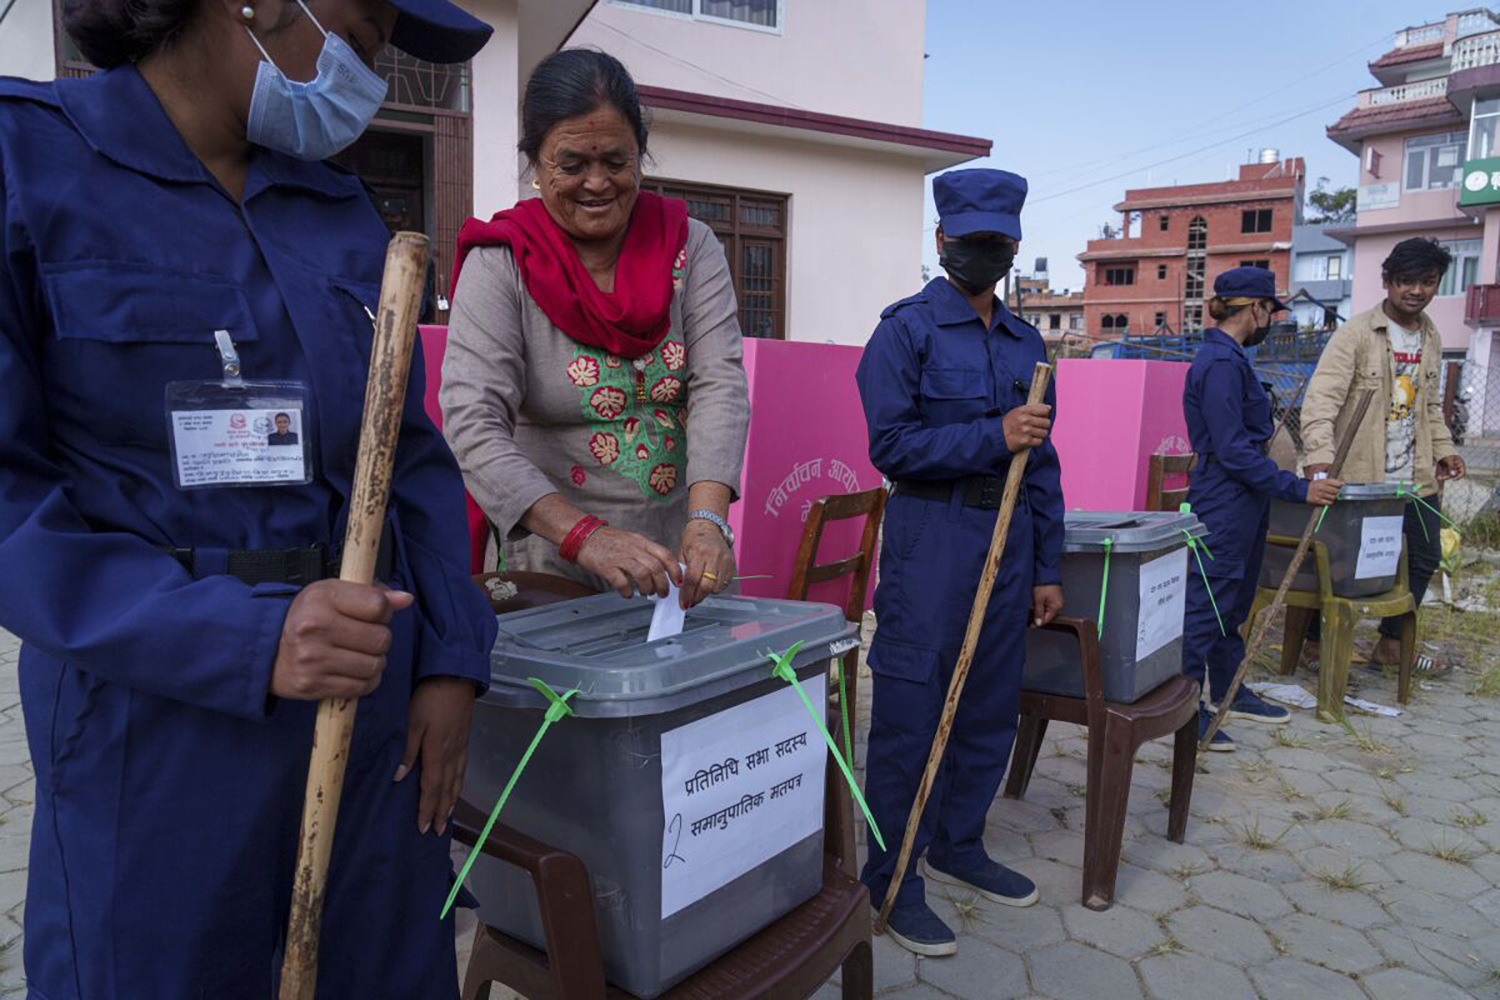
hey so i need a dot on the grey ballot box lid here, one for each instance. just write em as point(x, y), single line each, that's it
point(598, 645)
point(1372, 491)
point(1129, 531)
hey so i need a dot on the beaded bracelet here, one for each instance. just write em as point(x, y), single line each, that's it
point(581, 532)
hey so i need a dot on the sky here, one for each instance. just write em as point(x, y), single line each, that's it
point(1086, 99)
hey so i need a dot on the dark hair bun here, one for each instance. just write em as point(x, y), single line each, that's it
point(113, 32)
point(574, 82)
point(1218, 308)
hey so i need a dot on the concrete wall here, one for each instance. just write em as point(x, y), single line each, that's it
point(497, 96)
point(860, 58)
point(841, 270)
point(26, 41)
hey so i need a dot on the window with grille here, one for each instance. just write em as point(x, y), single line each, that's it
point(1255, 220)
point(1197, 233)
point(754, 13)
point(752, 227)
point(1119, 275)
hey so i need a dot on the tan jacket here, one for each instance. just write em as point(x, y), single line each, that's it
point(1358, 356)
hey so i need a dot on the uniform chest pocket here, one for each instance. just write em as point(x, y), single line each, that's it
point(122, 331)
point(952, 395)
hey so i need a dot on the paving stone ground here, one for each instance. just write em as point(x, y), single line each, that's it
point(1323, 862)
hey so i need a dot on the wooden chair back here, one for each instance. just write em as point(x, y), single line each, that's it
point(1158, 496)
point(807, 571)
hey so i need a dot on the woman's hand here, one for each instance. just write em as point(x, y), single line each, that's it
point(629, 562)
point(709, 561)
point(1323, 492)
point(334, 641)
point(441, 709)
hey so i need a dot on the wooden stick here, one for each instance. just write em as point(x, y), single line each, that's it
point(385, 402)
point(1263, 624)
point(1013, 476)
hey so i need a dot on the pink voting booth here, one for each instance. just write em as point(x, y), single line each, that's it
point(807, 440)
point(1112, 416)
point(434, 343)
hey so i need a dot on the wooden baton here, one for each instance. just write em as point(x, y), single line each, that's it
point(1039, 380)
point(385, 402)
point(1263, 624)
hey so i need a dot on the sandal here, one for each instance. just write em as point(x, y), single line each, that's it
point(1424, 667)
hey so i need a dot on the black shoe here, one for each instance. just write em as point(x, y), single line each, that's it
point(920, 931)
point(991, 880)
point(1252, 707)
point(1221, 741)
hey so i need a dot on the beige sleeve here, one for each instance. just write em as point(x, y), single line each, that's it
point(1327, 391)
point(718, 403)
point(1442, 440)
point(484, 385)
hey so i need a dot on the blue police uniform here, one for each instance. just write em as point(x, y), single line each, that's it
point(935, 384)
point(169, 783)
point(1229, 424)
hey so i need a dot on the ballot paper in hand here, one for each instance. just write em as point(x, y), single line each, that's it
point(667, 620)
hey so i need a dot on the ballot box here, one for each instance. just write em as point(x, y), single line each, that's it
point(1363, 534)
point(1139, 563)
point(689, 779)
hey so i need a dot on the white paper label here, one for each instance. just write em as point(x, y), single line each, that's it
point(238, 447)
point(1379, 547)
point(738, 788)
point(1163, 602)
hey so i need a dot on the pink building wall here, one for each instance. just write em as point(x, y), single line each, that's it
point(1112, 416)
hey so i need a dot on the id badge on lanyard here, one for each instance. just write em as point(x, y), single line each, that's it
point(236, 432)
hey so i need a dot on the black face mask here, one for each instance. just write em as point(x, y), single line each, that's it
point(976, 264)
point(1258, 335)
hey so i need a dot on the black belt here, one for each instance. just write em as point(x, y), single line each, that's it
point(299, 566)
point(983, 492)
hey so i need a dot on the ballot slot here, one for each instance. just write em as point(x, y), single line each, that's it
point(691, 784)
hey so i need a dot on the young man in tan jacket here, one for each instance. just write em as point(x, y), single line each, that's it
point(1395, 349)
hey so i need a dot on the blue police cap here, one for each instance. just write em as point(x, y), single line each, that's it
point(437, 30)
point(979, 201)
point(1248, 283)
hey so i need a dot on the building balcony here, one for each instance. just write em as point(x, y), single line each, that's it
point(1384, 96)
point(1422, 34)
point(1482, 307)
point(1476, 51)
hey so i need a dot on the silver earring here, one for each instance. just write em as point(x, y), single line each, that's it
point(247, 12)
point(536, 185)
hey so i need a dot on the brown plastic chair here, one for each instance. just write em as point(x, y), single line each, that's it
point(1116, 732)
point(1158, 497)
point(807, 571)
point(792, 957)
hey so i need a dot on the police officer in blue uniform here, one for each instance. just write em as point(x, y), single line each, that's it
point(944, 383)
point(177, 268)
point(1229, 423)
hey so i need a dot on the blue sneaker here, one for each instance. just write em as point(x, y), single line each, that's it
point(991, 880)
point(920, 931)
point(1221, 741)
point(1252, 707)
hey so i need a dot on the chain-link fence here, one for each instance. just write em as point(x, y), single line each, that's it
point(1471, 405)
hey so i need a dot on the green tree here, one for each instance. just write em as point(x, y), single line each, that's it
point(1331, 206)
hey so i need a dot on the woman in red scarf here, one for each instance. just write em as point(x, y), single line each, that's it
point(593, 388)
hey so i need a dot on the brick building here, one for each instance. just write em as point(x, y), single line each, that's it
point(1055, 313)
point(1157, 271)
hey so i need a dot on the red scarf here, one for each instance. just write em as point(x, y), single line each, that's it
point(628, 322)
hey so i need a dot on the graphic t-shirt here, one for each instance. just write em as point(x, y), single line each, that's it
point(1401, 419)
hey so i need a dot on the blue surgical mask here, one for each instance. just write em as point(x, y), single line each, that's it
point(316, 119)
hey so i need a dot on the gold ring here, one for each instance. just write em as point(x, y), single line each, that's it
point(709, 576)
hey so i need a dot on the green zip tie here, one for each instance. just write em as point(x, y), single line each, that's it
point(1402, 491)
point(1321, 514)
point(783, 669)
point(1193, 544)
point(557, 709)
point(1109, 543)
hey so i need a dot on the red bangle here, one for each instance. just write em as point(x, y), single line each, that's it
point(581, 531)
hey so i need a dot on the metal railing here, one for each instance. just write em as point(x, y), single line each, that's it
point(1401, 93)
point(1476, 51)
point(1421, 35)
point(1475, 21)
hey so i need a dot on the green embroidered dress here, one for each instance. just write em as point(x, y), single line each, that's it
point(529, 411)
